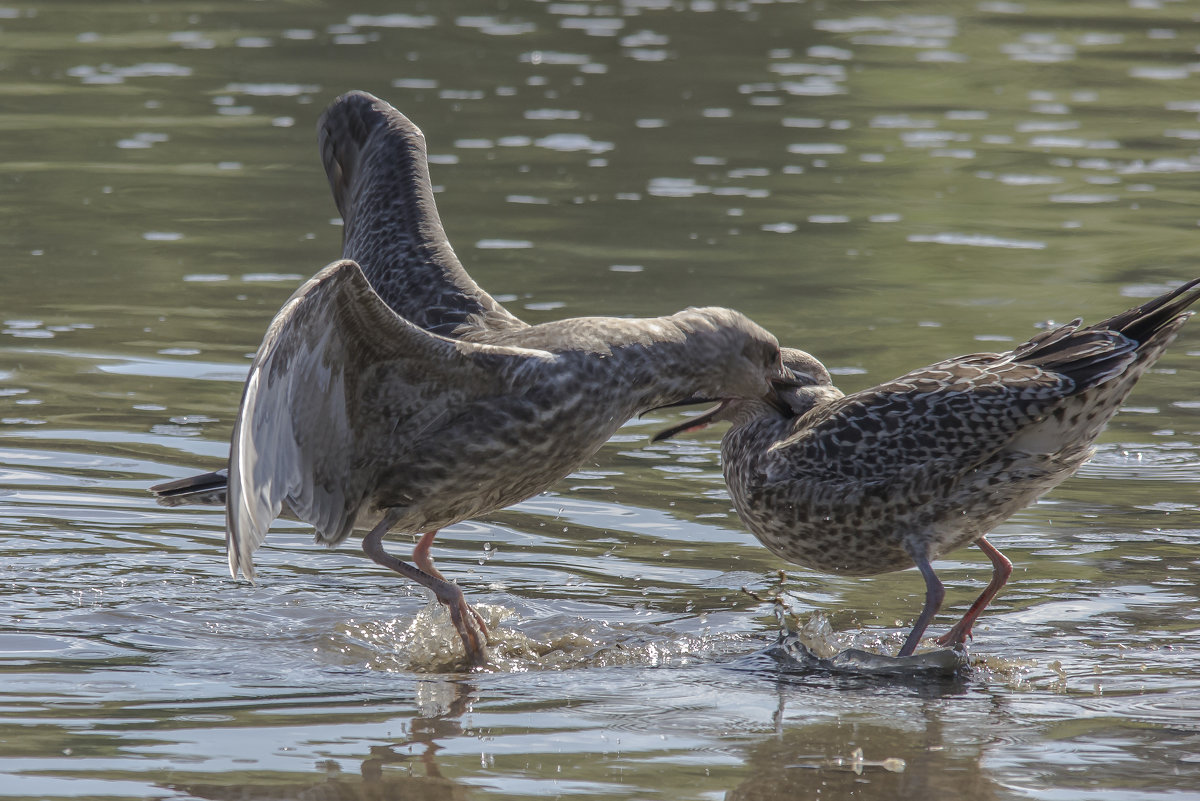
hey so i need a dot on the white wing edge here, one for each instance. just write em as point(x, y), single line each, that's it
point(258, 487)
point(249, 511)
point(255, 492)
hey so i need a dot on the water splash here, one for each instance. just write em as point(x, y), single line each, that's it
point(794, 655)
point(815, 647)
point(428, 643)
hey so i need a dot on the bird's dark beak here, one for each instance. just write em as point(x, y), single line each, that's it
point(779, 404)
point(692, 401)
point(780, 386)
point(787, 380)
point(693, 424)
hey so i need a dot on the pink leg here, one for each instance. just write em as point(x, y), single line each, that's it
point(447, 592)
point(425, 562)
point(1001, 570)
point(421, 555)
point(934, 594)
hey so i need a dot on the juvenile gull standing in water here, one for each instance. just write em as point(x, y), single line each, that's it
point(353, 417)
point(907, 471)
point(491, 440)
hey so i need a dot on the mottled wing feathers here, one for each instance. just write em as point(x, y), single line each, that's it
point(377, 167)
point(338, 379)
point(954, 414)
point(957, 411)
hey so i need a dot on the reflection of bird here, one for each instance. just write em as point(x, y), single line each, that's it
point(912, 469)
point(375, 782)
point(819, 756)
point(354, 417)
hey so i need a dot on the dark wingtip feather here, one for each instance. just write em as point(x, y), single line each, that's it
point(1092, 355)
point(1142, 322)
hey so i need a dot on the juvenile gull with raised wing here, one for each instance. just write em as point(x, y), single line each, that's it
point(376, 163)
point(907, 471)
point(353, 417)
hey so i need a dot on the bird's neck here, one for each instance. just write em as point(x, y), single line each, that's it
point(755, 424)
point(755, 427)
point(675, 367)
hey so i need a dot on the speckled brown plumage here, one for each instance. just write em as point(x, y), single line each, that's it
point(907, 471)
point(354, 418)
point(359, 414)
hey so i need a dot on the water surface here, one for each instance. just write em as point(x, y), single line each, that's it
point(882, 184)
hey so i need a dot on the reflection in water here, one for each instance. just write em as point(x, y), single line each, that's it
point(389, 772)
point(908, 753)
point(910, 759)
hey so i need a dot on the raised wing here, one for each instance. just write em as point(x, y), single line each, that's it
point(378, 170)
point(339, 379)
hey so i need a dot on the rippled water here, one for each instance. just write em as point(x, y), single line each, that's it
point(881, 184)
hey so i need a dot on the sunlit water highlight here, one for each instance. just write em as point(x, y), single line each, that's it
point(883, 186)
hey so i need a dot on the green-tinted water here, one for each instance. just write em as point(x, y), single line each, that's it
point(882, 184)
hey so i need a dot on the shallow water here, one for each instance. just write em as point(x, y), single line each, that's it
point(882, 184)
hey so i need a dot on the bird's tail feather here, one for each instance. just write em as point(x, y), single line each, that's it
point(1141, 323)
point(1100, 352)
point(206, 489)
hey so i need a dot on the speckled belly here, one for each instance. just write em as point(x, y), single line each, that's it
point(864, 532)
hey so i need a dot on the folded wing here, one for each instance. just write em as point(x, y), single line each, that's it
point(960, 411)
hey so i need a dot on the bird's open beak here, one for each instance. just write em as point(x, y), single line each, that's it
point(692, 401)
point(782, 382)
point(693, 424)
